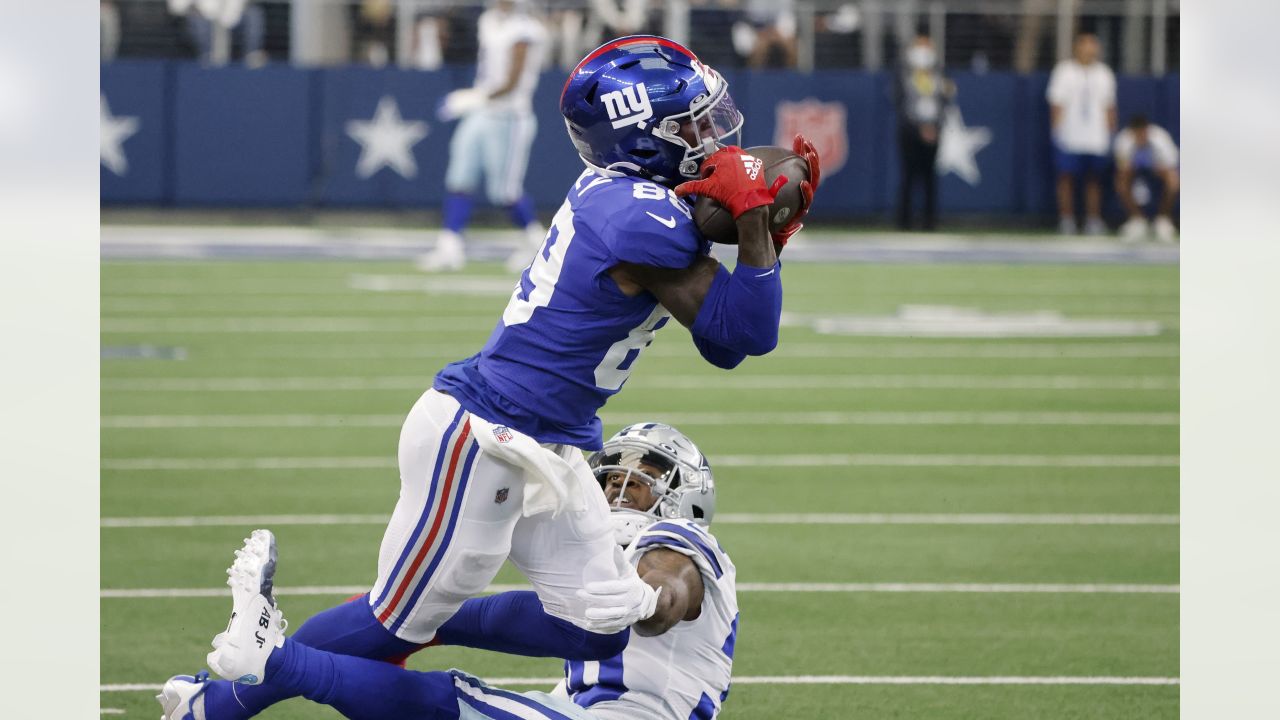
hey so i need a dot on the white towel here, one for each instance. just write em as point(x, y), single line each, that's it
point(551, 481)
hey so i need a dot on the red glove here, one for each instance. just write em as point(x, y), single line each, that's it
point(734, 179)
point(804, 149)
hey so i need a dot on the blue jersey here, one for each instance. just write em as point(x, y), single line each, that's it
point(569, 337)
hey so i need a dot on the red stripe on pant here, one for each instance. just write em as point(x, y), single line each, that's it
point(407, 579)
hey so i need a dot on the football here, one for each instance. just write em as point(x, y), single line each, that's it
point(717, 225)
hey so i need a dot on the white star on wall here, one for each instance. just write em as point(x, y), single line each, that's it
point(958, 147)
point(386, 141)
point(112, 132)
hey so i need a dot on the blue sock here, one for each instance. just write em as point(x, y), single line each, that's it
point(522, 211)
point(457, 211)
point(515, 623)
point(362, 689)
point(348, 629)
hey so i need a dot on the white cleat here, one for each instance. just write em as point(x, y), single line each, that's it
point(1067, 226)
point(257, 626)
point(182, 697)
point(1134, 229)
point(1094, 227)
point(449, 254)
point(1165, 231)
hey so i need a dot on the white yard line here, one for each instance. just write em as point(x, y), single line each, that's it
point(922, 349)
point(823, 680)
point(298, 324)
point(969, 588)
point(720, 519)
point(850, 459)
point(889, 418)
point(673, 382)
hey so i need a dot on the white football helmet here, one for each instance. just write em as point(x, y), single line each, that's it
point(684, 488)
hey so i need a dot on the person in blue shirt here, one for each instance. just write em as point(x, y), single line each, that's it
point(491, 467)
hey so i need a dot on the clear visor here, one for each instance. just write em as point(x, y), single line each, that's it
point(708, 126)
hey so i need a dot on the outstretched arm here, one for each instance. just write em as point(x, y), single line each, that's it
point(680, 583)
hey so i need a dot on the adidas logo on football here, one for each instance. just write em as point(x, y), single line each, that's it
point(752, 165)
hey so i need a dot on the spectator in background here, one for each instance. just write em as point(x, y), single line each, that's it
point(108, 30)
point(1082, 111)
point(1145, 152)
point(430, 38)
point(242, 17)
point(574, 32)
point(375, 32)
point(766, 26)
point(921, 94)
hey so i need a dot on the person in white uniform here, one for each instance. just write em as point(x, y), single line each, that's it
point(677, 664)
point(1145, 153)
point(1082, 111)
point(491, 143)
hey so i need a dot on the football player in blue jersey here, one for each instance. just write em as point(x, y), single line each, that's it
point(490, 457)
point(676, 665)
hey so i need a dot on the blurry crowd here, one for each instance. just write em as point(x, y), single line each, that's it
point(727, 33)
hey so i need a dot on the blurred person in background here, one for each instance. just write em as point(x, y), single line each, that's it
point(1082, 112)
point(375, 32)
point(430, 38)
point(108, 30)
point(1145, 153)
point(493, 139)
point(921, 95)
point(579, 26)
point(242, 17)
point(766, 26)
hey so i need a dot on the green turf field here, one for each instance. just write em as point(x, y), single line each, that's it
point(897, 507)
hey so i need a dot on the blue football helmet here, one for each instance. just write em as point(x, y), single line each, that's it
point(644, 105)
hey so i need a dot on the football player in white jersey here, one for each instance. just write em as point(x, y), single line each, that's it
point(492, 141)
point(676, 665)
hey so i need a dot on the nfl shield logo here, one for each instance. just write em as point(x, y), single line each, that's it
point(822, 122)
point(503, 435)
point(501, 496)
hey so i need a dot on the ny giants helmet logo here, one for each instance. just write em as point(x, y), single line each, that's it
point(822, 122)
point(628, 106)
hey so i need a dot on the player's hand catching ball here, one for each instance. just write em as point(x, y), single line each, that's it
point(805, 149)
point(735, 179)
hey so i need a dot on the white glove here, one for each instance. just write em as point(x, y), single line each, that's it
point(460, 102)
point(613, 605)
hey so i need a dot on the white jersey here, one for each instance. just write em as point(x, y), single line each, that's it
point(500, 32)
point(1159, 152)
point(682, 674)
point(1085, 93)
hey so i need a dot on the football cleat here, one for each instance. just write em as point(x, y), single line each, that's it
point(182, 697)
point(1165, 231)
point(1134, 229)
point(256, 626)
point(1095, 227)
point(449, 254)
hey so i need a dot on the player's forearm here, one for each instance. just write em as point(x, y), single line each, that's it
point(755, 245)
point(670, 610)
point(1055, 116)
point(742, 309)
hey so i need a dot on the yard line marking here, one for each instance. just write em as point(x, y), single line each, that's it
point(721, 519)
point(115, 711)
point(974, 588)
point(889, 418)
point(675, 382)
point(824, 680)
point(765, 460)
point(296, 324)
point(922, 349)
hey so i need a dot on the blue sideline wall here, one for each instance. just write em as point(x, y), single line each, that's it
point(278, 136)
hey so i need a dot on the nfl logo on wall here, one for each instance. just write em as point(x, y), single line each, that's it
point(502, 434)
point(822, 122)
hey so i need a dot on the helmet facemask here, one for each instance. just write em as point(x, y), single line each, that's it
point(710, 121)
point(627, 460)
